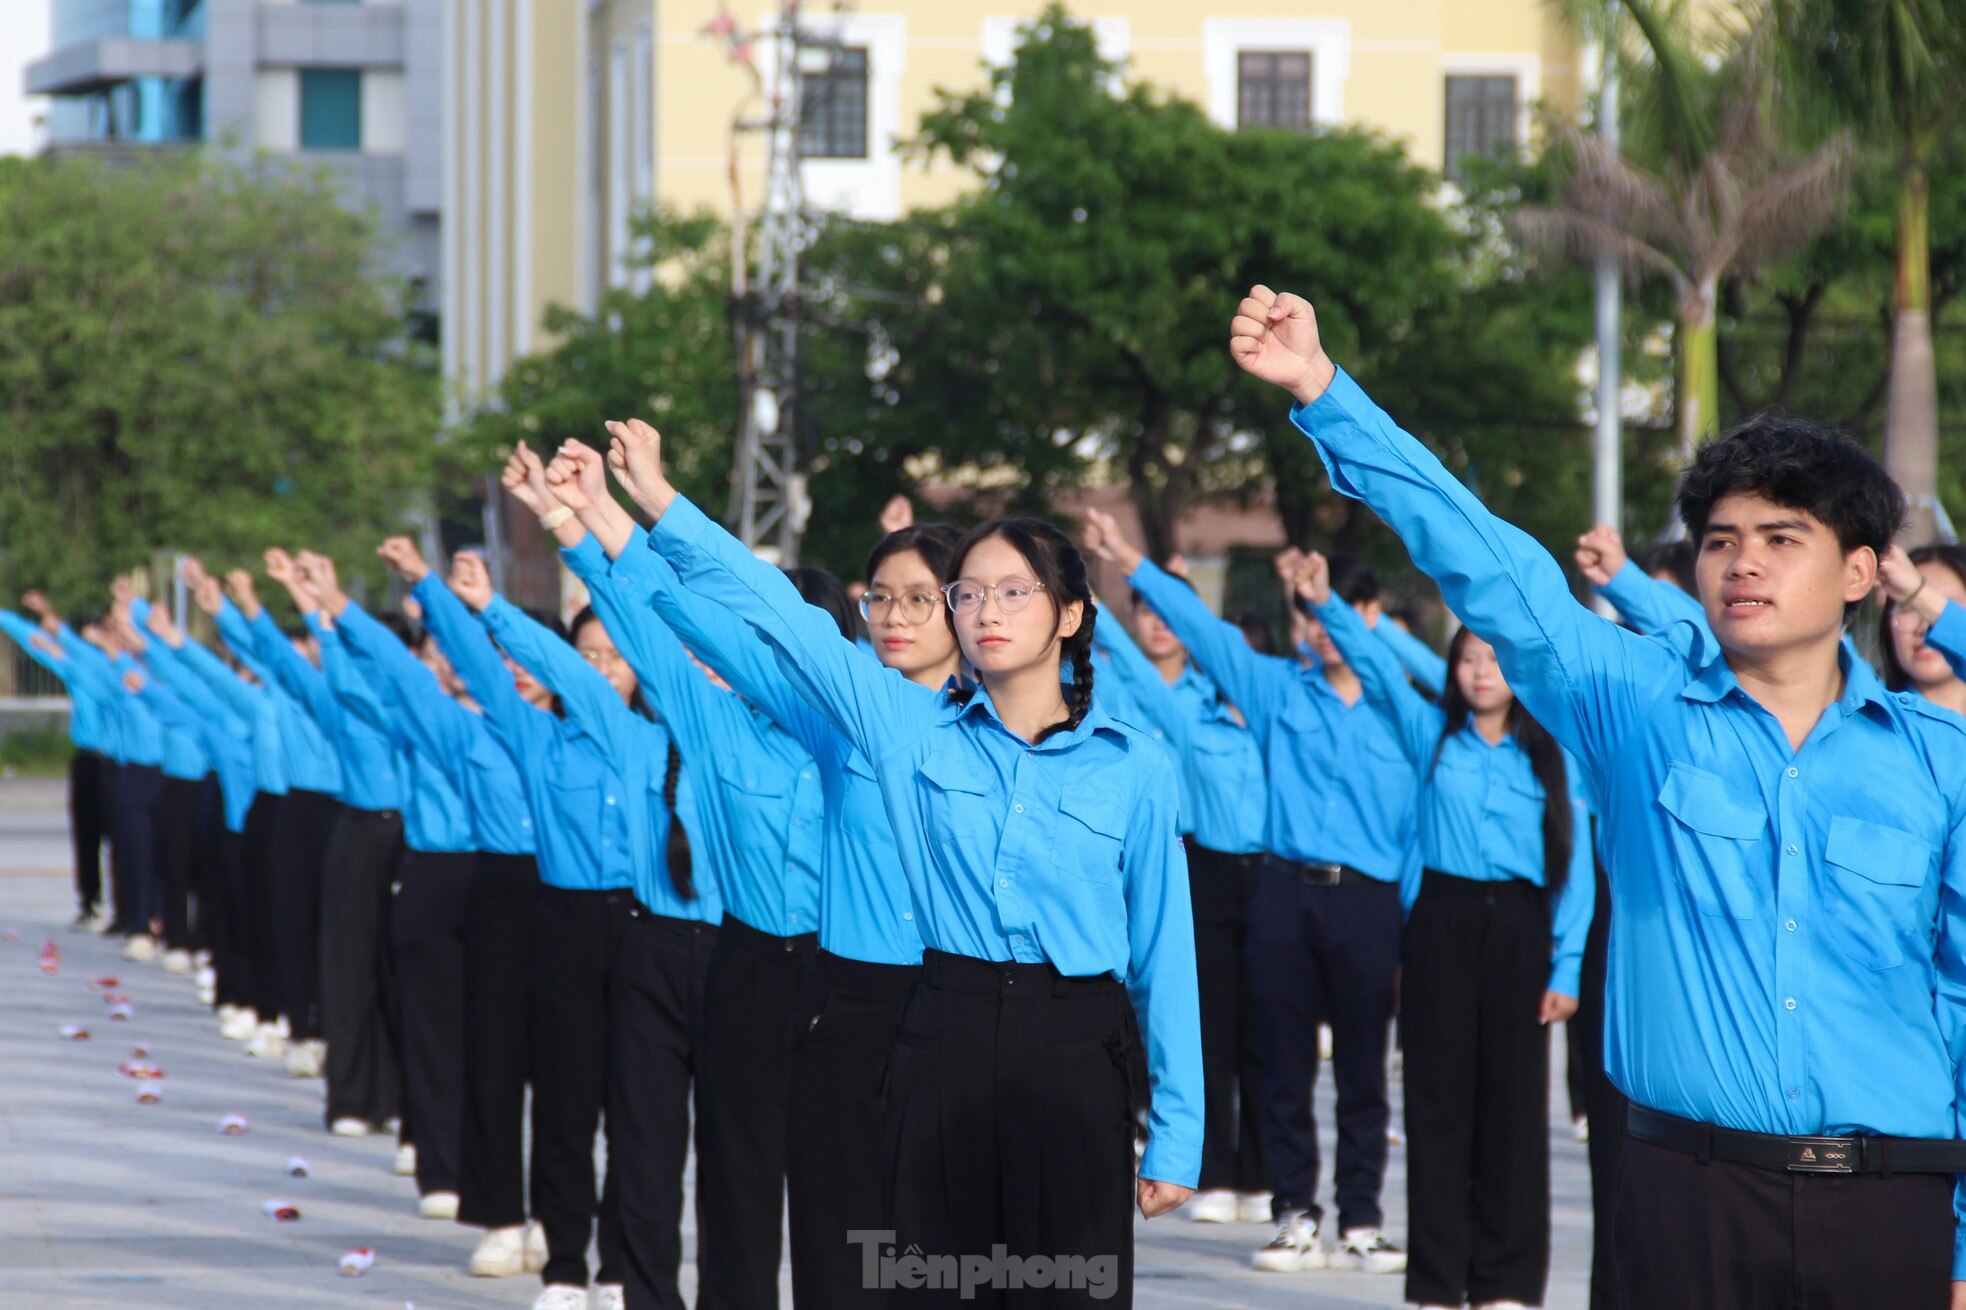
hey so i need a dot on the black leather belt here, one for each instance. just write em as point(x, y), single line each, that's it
point(1799, 1155)
point(1319, 875)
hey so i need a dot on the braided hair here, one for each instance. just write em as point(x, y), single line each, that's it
point(1057, 564)
point(682, 861)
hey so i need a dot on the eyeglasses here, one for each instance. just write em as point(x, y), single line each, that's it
point(1012, 594)
point(601, 659)
point(916, 607)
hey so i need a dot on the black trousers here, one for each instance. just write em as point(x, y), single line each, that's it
point(257, 935)
point(1722, 1236)
point(364, 1076)
point(426, 926)
point(88, 822)
point(1477, 1092)
point(1007, 1123)
point(205, 873)
point(134, 846)
point(1604, 1104)
point(174, 823)
point(221, 918)
point(498, 919)
point(654, 1053)
point(575, 964)
point(750, 1022)
point(848, 1017)
point(1330, 954)
point(1232, 1064)
point(303, 823)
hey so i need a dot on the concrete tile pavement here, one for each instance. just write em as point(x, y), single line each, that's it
point(108, 1203)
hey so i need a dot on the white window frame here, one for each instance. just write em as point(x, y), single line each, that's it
point(1525, 68)
point(1329, 41)
point(867, 188)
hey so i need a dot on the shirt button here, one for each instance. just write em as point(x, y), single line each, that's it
point(1003, 882)
point(1789, 1003)
point(1017, 937)
point(1018, 808)
point(1795, 772)
point(908, 915)
point(806, 776)
point(1790, 925)
point(1791, 848)
point(610, 800)
point(1794, 1092)
point(525, 823)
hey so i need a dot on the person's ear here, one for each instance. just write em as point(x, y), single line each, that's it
point(1859, 574)
point(1070, 616)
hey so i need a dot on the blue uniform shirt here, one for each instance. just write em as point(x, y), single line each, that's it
point(760, 814)
point(591, 803)
point(310, 763)
point(224, 720)
point(1065, 852)
point(369, 765)
point(1481, 804)
point(1224, 798)
point(864, 907)
point(1786, 942)
point(439, 736)
point(85, 712)
point(1341, 790)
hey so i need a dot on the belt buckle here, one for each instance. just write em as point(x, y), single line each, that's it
point(1323, 875)
point(1822, 1155)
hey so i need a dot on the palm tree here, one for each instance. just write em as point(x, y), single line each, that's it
point(1725, 197)
point(1896, 69)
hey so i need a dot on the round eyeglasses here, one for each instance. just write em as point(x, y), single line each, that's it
point(1012, 594)
point(916, 606)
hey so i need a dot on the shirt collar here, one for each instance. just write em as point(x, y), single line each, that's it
point(1096, 720)
point(1714, 678)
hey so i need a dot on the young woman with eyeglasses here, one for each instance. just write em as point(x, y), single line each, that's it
point(869, 946)
point(1038, 838)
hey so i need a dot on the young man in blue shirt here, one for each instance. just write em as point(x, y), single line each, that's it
point(1786, 843)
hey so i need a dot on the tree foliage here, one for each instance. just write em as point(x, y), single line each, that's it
point(192, 358)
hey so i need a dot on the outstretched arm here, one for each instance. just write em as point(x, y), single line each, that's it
point(1576, 672)
point(876, 708)
point(1422, 662)
point(1416, 722)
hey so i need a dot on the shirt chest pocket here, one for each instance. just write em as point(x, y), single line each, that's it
point(754, 802)
point(956, 802)
point(1873, 890)
point(1092, 833)
point(1716, 839)
point(576, 803)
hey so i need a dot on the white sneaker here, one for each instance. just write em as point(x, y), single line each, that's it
point(1500, 1305)
point(437, 1205)
point(177, 961)
point(1217, 1205)
point(1254, 1208)
point(1368, 1249)
point(405, 1166)
point(307, 1058)
point(267, 1043)
point(348, 1126)
point(501, 1253)
point(207, 981)
point(238, 1026)
point(1295, 1248)
point(560, 1296)
point(1324, 1041)
point(141, 947)
point(535, 1247)
point(1580, 1129)
point(610, 1296)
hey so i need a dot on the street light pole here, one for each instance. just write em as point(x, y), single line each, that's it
point(1608, 496)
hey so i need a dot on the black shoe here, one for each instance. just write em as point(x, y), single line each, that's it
point(84, 922)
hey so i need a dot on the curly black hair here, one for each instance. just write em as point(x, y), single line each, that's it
point(1800, 464)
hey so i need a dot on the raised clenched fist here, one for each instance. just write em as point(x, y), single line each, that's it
point(401, 555)
point(1601, 555)
point(470, 579)
point(1275, 338)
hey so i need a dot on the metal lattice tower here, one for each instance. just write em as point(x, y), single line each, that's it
point(768, 490)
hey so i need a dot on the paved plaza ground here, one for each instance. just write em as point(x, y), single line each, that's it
point(108, 1203)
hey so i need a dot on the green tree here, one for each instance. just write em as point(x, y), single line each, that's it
point(1708, 188)
point(1895, 69)
point(191, 358)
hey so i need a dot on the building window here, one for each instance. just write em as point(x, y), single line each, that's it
point(330, 109)
point(833, 119)
point(1273, 89)
point(1481, 118)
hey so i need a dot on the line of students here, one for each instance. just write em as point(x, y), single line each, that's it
point(910, 930)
